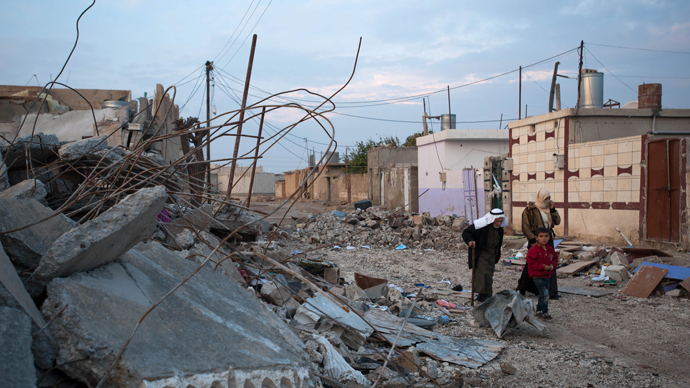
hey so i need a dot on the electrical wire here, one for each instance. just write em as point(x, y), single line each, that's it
point(250, 32)
point(639, 48)
point(233, 33)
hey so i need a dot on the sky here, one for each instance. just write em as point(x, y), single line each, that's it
point(411, 52)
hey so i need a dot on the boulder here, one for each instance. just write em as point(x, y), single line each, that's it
point(30, 188)
point(103, 239)
point(16, 362)
point(25, 247)
point(209, 332)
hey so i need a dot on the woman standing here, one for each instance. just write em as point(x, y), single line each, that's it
point(540, 213)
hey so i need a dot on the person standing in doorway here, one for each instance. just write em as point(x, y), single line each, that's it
point(485, 237)
point(541, 213)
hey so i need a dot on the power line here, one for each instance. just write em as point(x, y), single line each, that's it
point(639, 48)
point(610, 72)
point(250, 32)
point(233, 33)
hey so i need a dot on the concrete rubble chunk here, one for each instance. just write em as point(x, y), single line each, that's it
point(184, 239)
point(30, 188)
point(275, 294)
point(4, 179)
point(16, 362)
point(103, 239)
point(618, 273)
point(25, 247)
point(210, 332)
point(41, 147)
point(81, 148)
point(618, 258)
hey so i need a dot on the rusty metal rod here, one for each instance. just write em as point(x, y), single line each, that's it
point(256, 157)
point(241, 119)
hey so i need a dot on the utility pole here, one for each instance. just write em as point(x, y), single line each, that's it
point(520, 96)
point(579, 75)
point(553, 86)
point(209, 68)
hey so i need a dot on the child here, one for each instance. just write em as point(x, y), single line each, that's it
point(541, 263)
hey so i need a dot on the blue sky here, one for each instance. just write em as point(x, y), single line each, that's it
point(409, 48)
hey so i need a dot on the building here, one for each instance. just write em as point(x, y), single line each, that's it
point(393, 177)
point(330, 182)
point(450, 164)
point(606, 168)
point(264, 182)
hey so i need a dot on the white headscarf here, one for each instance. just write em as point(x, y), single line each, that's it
point(489, 218)
point(544, 207)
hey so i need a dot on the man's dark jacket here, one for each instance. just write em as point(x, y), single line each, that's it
point(479, 237)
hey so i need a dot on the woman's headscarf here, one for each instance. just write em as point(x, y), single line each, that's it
point(544, 206)
point(489, 218)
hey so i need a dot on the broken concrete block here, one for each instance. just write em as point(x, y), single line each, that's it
point(198, 219)
point(41, 148)
point(458, 224)
point(16, 361)
point(618, 258)
point(209, 332)
point(81, 148)
point(15, 294)
point(331, 275)
point(184, 239)
point(352, 292)
point(585, 256)
point(103, 239)
point(410, 360)
point(30, 188)
point(275, 294)
point(565, 256)
point(618, 273)
point(25, 247)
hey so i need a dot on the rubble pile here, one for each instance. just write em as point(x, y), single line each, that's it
point(378, 227)
point(113, 275)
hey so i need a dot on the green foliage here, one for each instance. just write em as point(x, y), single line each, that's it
point(411, 140)
point(357, 159)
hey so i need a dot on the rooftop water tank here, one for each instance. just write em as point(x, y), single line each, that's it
point(649, 96)
point(591, 89)
point(447, 122)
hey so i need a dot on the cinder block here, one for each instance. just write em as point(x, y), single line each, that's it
point(331, 275)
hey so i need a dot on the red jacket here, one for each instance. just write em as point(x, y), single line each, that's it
point(537, 257)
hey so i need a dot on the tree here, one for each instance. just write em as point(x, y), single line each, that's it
point(411, 140)
point(358, 159)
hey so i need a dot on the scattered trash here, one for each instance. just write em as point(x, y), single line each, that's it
point(400, 247)
point(349, 248)
point(365, 246)
point(421, 285)
point(443, 303)
point(338, 213)
point(444, 281)
point(393, 286)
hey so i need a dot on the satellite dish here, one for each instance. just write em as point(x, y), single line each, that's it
point(630, 105)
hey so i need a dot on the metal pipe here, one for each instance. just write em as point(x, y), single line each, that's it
point(579, 76)
point(241, 119)
point(449, 116)
point(256, 157)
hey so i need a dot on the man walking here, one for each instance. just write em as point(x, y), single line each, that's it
point(485, 237)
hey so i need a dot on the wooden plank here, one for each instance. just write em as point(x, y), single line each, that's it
point(685, 284)
point(515, 262)
point(575, 267)
point(674, 271)
point(644, 282)
point(580, 291)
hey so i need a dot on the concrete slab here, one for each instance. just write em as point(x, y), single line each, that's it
point(15, 288)
point(81, 148)
point(16, 362)
point(41, 147)
point(30, 188)
point(25, 247)
point(210, 332)
point(103, 239)
point(4, 180)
